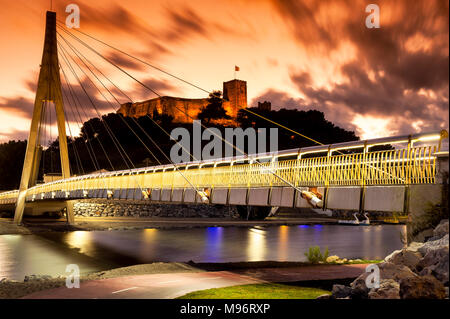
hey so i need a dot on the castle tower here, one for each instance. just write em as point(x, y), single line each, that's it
point(235, 92)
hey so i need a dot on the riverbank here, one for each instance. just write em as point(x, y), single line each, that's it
point(39, 225)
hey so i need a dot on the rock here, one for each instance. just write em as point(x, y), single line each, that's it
point(435, 263)
point(324, 296)
point(414, 246)
point(332, 259)
point(388, 258)
point(388, 270)
point(359, 289)
point(391, 271)
point(425, 287)
point(404, 257)
point(423, 235)
point(442, 229)
point(340, 291)
point(389, 289)
point(435, 244)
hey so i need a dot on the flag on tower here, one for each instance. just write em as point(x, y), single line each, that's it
point(236, 68)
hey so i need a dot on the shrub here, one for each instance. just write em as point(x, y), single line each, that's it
point(314, 254)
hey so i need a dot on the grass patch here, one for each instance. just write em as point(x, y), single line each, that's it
point(257, 291)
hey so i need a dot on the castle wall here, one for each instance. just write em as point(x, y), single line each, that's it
point(173, 106)
point(234, 94)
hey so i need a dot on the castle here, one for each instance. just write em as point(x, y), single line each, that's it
point(184, 110)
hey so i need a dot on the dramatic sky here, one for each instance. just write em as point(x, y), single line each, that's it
point(304, 54)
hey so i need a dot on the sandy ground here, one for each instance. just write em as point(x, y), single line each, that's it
point(16, 289)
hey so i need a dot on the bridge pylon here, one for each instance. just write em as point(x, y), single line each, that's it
point(48, 90)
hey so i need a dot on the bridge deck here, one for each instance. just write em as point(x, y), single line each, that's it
point(275, 179)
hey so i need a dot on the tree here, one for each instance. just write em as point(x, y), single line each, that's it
point(12, 155)
point(214, 110)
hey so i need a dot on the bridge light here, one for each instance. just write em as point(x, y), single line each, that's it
point(312, 198)
point(425, 138)
point(204, 196)
point(146, 193)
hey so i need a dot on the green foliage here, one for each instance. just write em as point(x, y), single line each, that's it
point(314, 254)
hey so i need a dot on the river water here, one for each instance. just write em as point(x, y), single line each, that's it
point(50, 253)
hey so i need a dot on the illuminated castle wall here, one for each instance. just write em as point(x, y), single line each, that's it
point(234, 94)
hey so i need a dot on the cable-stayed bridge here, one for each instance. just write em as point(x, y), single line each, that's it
point(345, 176)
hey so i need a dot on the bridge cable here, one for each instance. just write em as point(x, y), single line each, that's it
point(87, 141)
point(72, 141)
point(113, 137)
point(131, 100)
point(70, 67)
point(142, 142)
point(127, 96)
point(108, 130)
point(206, 128)
point(135, 58)
point(196, 86)
point(185, 81)
point(71, 107)
point(180, 79)
point(74, 147)
point(149, 137)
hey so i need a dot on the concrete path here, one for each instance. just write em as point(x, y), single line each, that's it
point(168, 286)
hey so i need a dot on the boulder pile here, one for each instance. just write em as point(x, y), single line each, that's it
point(418, 271)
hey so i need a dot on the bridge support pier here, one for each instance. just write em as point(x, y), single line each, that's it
point(70, 215)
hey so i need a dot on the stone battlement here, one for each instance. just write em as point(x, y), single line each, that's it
point(184, 109)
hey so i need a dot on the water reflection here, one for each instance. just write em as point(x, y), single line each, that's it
point(256, 246)
point(283, 242)
point(97, 250)
point(213, 247)
point(81, 240)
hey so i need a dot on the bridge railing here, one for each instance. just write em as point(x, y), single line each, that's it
point(411, 165)
point(392, 167)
